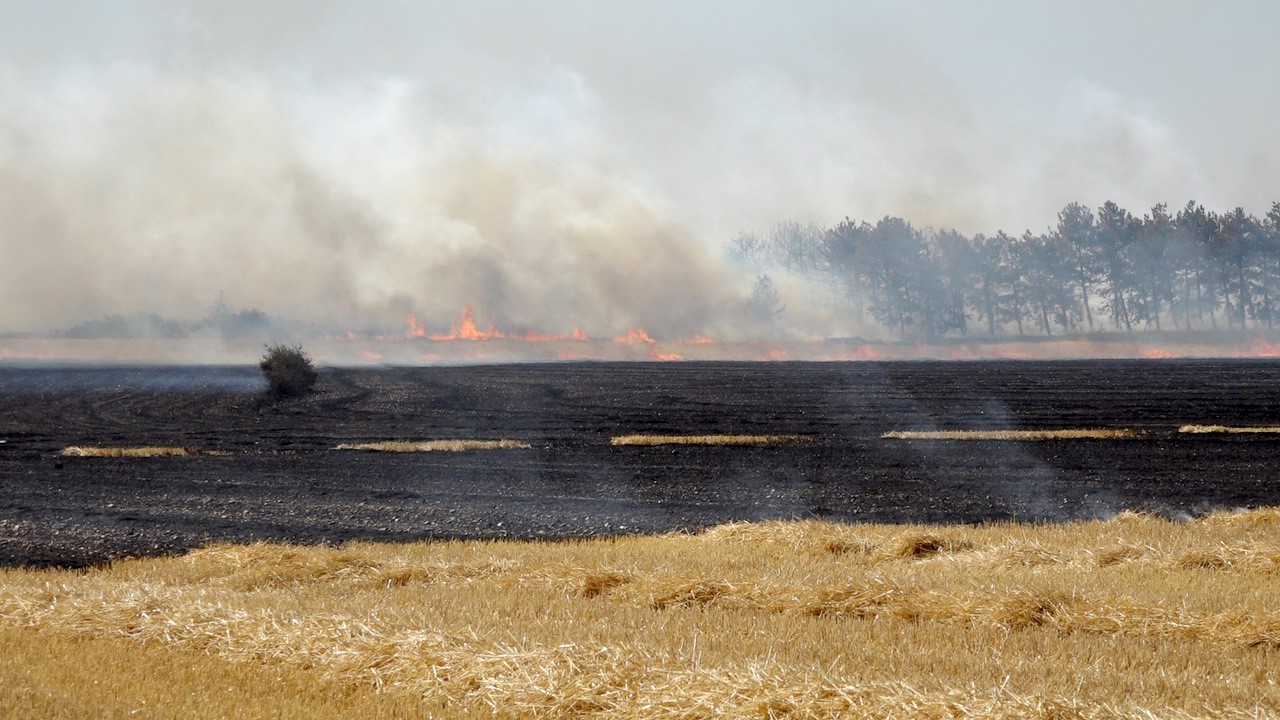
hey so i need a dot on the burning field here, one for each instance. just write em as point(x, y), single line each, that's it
point(107, 462)
point(767, 552)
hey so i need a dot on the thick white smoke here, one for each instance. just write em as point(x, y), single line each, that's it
point(553, 165)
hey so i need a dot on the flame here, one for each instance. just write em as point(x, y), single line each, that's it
point(415, 329)
point(1157, 354)
point(777, 355)
point(698, 339)
point(466, 329)
point(578, 335)
point(1261, 348)
point(656, 354)
point(634, 337)
point(371, 355)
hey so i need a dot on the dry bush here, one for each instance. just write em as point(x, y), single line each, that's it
point(435, 445)
point(1064, 434)
point(135, 452)
point(650, 440)
point(741, 621)
point(1226, 429)
point(288, 370)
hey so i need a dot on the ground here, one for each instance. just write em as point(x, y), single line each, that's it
point(281, 478)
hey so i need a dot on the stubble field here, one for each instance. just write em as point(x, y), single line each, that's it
point(797, 578)
point(571, 464)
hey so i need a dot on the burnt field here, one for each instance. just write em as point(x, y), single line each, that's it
point(271, 471)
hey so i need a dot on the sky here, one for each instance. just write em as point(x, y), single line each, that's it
point(566, 164)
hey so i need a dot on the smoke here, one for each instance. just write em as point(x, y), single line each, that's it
point(138, 190)
point(551, 165)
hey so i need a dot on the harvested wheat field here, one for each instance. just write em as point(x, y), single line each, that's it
point(1134, 617)
point(1016, 435)
point(135, 452)
point(1228, 430)
point(435, 445)
point(722, 440)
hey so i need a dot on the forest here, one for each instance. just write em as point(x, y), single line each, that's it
point(1103, 271)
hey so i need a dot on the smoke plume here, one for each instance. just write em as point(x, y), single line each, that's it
point(553, 166)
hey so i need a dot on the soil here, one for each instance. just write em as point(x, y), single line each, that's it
point(281, 479)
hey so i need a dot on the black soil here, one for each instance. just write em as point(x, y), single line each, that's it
point(282, 480)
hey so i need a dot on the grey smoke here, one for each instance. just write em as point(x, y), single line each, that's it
point(562, 164)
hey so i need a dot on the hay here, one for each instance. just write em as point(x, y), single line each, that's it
point(435, 445)
point(136, 452)
point(1127, 617)
point(1065, 434)
point(1228, 430)
point(758, 440)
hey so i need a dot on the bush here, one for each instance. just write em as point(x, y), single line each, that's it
point(288, 370)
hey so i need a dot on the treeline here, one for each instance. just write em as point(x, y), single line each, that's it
point(219, 321)
point(1094, 271)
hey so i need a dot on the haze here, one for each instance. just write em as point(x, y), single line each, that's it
point(580, 164)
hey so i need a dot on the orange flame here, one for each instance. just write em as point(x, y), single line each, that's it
point(578, 335)
point(656, 354)
point(1262, 348)
point(466, 329)
point(699, 339)
point(415, 329)
point(634, 337)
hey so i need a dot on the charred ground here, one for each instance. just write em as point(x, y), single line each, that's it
point(282, 479)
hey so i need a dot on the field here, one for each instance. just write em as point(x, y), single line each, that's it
point(797, 576)
point(1134, 617)
point(756, 441)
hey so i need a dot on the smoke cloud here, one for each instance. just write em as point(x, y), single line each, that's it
point(553, 165)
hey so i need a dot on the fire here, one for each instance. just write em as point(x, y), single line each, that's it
point(698, 339)
point(578, 335)
point(634, 337)
point(777, 355)
point(1262, 348)
point(1157, 354)
point(656, 354)
point(416, 330)
point(465, 329)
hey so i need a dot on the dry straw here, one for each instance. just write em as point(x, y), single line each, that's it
point(653, 440)
point(1227, 429)
point(435, 445)
point(136, 452)
point(1133, 617)
point(1063, 434)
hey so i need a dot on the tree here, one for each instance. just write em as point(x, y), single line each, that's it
point(1077, 234)
point(288, 370)
point(764, 304)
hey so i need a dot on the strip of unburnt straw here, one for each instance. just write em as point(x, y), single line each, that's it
point(652, 440)
point(1061, 434)
point(404, 446)
point(1228, 430)
point(144, 451)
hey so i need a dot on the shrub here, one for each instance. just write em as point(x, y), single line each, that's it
point(288, 370)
